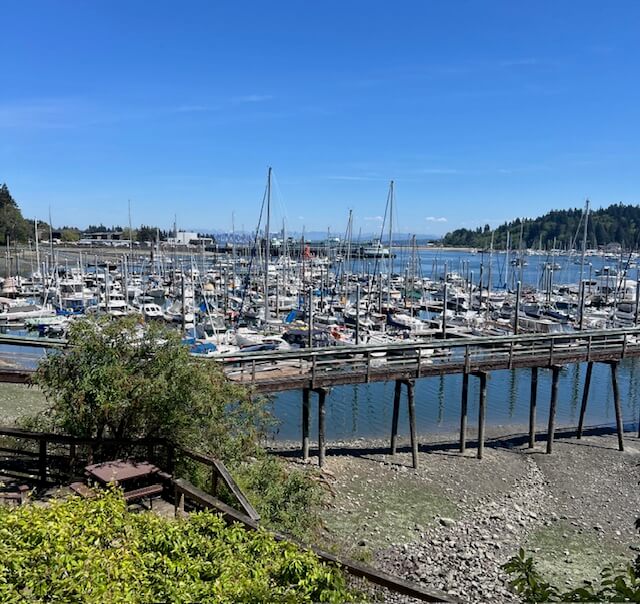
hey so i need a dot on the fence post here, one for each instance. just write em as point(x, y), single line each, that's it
point(42, 460)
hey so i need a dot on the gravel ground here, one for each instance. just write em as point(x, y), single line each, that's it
point(451, 524)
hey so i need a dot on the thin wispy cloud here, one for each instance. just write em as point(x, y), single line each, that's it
point(524, 62)
point(439, 171)
point(436, 219)
point(354, 177)
point(40, 113)
point(195, 108)
point(373, 218)
point(252, 98)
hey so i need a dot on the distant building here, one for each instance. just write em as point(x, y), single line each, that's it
point(103, 236)
point(189, 238)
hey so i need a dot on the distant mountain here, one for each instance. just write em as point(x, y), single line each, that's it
point(618, 223)
point(398, 238)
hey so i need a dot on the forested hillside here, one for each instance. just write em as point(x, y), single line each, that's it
point(617, 223)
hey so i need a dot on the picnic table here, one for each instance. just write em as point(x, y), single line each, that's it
point(122, 471)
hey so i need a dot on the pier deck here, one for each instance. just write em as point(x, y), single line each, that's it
point(328, 367)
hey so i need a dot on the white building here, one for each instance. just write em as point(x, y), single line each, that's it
point(183, 238)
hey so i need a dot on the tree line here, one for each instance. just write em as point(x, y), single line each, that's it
point(18, 229)
point(617, 223)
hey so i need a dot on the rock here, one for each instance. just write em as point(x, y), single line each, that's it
point(362, 543)
point(448, 522)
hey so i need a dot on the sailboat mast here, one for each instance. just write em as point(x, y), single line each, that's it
point(390, 238)
point(506, 263)
point(267, 248)
point(584, 239)
point(37, 247)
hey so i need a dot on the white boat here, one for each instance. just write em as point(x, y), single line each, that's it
point(151, 311)
point(19, 310)
point(374, 250)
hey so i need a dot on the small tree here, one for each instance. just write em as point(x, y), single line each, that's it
point(121, 379)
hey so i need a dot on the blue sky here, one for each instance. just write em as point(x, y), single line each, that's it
point(480, 111)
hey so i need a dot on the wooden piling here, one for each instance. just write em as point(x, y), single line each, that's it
point(616, 404)
point(482, 412)
point(411, 403)
point(463, 412)
point(585, 398)
point(555, 374)
point(322, 394)
point(396, 412)
point(533, 401)
point(306, 423)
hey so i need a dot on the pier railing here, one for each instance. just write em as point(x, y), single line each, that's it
point(325, 367)
point(275, 371)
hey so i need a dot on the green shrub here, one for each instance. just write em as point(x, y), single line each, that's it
point(90, 551)
point(120, 379)
point(287, 499)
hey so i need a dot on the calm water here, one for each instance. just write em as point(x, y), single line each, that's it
point(366, 410)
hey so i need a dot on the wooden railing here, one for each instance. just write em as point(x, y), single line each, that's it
point(48, 458)
point(325, 367)
point(220, 472)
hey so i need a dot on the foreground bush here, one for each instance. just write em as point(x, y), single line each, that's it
point(95, 551)
point(287, 499)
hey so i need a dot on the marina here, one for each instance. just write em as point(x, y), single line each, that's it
point(344, 318)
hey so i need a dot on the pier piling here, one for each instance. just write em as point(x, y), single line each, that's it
point(481, 412)
point(585, 398)
point(306, 424)
point(463, 412)
point(322, 394)
point(533, 401)
point(555, 375)
point(412, 421)
point(616, 404)
point(396, 412)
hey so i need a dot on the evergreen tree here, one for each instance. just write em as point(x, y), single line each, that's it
point(12, 224)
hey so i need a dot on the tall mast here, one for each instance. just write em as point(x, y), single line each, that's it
point(267, 248)
point(506, 264)
point(37, 247)
point(390, 238)
point(581, 288)
point(130, 232)
point(584, 239)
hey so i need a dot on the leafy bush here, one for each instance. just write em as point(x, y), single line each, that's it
point(82, 550)
point(120, 379)
point(287, 499)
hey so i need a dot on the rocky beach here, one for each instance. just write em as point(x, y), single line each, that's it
point(452, 524)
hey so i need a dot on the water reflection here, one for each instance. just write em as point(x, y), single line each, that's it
point(365, 410)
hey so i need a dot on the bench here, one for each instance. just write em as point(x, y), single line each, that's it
point(141, 493)
point(19, 497)
point(83, 490)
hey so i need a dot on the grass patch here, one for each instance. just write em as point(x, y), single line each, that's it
point(380, 511)
point(17, 400)
point(565, 556)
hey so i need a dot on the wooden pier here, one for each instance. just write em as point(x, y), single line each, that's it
point(318, 370)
